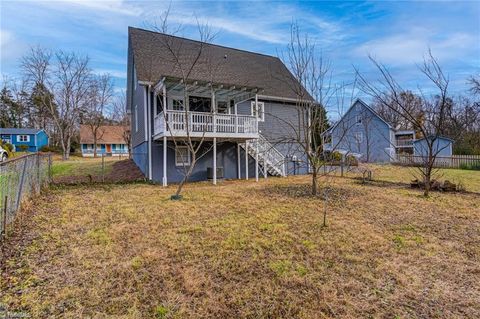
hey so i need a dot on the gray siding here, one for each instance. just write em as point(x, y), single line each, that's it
point(372, 138)
point(226, 158)
point(138, 136)
point(441, 147)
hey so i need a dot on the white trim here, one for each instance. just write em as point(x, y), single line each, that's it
point(260, 115)
point(145, 101)
point(214, 160)
point(20, 140)
point(164, 177)
point(149, 133)
point(182, 163)
point(136, 118)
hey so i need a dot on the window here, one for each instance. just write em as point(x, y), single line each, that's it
point(136, 118)
point(358, 119)
point(359, 137)
point(259, 111)
point(182, 156)
point(222, 107)
point(23, 138)
point(177, 105)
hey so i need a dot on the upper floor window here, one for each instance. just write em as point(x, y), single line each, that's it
point(359, 137)
point(23, 138)
point(177, 105)
point(258, 111)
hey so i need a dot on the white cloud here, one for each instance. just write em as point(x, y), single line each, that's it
point(410, 47)
point(113, 73)
point(10, 47)
point(109, 6)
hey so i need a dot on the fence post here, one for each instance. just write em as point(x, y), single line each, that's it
point(38, 172)
point(4, 219)
point(19, 197)
point(49, 167)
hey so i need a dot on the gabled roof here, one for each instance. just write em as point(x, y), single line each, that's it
point(366, 106)
point(218, 64)
point(25, 131)
point(107, 134)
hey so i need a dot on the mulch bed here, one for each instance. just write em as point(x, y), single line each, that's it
point(122, 171)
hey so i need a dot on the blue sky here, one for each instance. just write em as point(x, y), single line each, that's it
point(398, 34)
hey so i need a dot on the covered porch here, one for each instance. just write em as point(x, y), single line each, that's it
point(202, 109)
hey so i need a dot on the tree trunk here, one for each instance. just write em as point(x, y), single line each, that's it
point(314, 181)
point(185, 178)
point(94, 146)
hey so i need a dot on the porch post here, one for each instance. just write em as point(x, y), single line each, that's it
point(246, 160)
point(238, 162)
point(164, 179)
point(256, 161)
point(165, 109)
point(214, 161)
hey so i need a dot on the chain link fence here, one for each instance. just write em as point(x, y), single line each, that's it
point(20, 178)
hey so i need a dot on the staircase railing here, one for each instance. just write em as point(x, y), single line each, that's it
point(268, 154)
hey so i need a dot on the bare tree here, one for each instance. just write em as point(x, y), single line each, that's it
point(198, 58)
point(120, 116)
point(315, 91)
point(101, 91)
point(434, 109)
point(68, 77)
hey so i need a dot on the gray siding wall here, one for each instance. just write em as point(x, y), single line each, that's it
point(138, 102)
point(372, 137)
point(226, 158)
point(441, 146)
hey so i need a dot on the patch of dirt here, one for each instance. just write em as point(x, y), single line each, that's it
point(305, 191)
point(122, 172)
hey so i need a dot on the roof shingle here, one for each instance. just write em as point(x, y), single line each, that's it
point(107, 134)
point(153, 60)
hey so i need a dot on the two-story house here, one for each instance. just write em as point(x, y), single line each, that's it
point(236, 102)
point(364, 133)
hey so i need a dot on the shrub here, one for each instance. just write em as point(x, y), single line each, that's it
point(336, 156)
point(23, 148)
point(352, 160)
point(50, 149)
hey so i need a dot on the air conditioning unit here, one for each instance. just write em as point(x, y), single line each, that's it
point(210, 172)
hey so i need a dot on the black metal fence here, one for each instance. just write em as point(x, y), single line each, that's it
point(20, 178)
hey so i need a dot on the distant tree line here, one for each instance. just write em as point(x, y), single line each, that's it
point(57, 92)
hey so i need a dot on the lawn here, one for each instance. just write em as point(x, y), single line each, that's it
point(245, 250)
point(77, 166)
point(393, 173)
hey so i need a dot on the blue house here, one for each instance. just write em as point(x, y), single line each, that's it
point(35, 139)
point(237, 110)
point(365, 134)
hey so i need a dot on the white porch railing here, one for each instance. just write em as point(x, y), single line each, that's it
point(181, 123)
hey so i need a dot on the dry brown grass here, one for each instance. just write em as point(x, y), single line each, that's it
point(246, 250)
